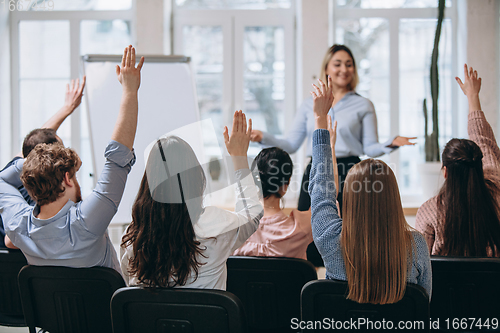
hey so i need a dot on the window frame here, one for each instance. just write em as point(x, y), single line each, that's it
point(74, 18)
point(393, 17)
point(233, 23)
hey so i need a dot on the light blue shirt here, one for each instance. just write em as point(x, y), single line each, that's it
point(77, 235)
point(357, 133)
point(327, 224)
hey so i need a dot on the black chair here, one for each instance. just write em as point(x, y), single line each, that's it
point(327, 299)
point(176, 310)
point(465, 288)
point(68, 300)
point(11, 311)
point(269, 289)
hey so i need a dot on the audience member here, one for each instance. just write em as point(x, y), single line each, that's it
point(372, 247)
point(278, 235)
point(463, 219)
point(47, 134)
point(62, 229)
point(173, 241)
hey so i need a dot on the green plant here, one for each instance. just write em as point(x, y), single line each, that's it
point(432, 140)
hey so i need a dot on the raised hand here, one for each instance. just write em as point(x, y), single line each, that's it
point(256, 136)
point(237, 143)
point(74, 93)
point(322, 102)
point(129, 75)
point(471, 84)
point(471, 87)
point(130, 78)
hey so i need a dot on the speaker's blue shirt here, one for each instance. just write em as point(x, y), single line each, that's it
point(357, 133)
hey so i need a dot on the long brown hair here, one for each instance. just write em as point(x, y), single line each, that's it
point(166, 252)
point(471, 214)
point(376, 241)
point(328, 56)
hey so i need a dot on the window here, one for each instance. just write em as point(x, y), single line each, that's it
point(233, 4)
point(46, 48)
point(92, 4)
point(44, 70)
point(242, 59)
point(393, 50)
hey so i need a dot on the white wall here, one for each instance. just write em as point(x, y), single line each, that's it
point(149, 26)
point(483, 53)
point(5, 124)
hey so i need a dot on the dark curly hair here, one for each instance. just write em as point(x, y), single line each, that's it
point(275, 170)
point(166, 252)
point(44, 170)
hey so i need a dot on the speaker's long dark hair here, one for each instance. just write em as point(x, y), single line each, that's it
point(471, 213)
point(165, 250)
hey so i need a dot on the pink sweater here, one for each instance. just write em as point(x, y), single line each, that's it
point(280, 235)
point(428, 221)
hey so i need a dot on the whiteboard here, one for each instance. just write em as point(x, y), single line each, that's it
point(167, 101)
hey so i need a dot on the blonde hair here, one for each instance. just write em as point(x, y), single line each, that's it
point(376, 241)
point(328, 56)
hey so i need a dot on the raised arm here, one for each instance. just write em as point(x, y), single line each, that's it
point(130, 78)
point(74, 93)
point(248, 209)
point(237, 144)
point(325, 220)
point(478, 127)
point(471, 87)
point(333, 140)
point(98, 208)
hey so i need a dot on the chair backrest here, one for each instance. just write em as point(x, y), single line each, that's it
point(11, 310)
point(327, 299)
point(176, 310)
point(269, 289)
point(68, 300)
point(465, 288)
